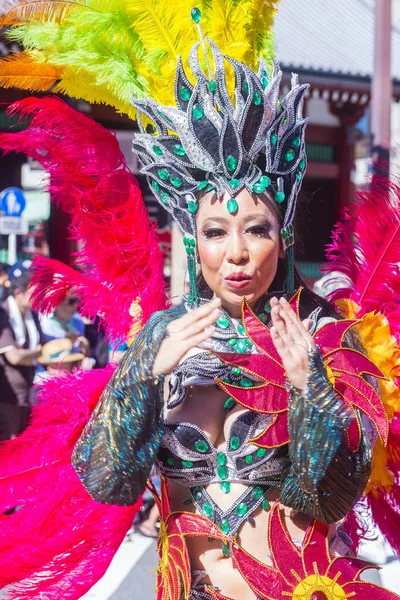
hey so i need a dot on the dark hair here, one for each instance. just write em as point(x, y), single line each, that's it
point(3, 268)
point(21, 283)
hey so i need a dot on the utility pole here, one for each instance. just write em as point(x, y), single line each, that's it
point(381, 90)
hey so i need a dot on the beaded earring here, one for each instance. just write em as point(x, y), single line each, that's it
point(190, 246)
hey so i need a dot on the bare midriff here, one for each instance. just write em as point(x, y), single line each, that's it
point(204, 407)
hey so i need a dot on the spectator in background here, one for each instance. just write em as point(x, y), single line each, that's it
point(4, 281)
point(20, 345)
point(65, 322)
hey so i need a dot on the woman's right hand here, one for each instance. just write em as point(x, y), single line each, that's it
point(186, 333)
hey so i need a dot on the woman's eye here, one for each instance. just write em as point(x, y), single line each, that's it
point(213, 233)
point(259, 230)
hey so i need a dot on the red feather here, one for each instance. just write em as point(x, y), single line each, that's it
point(119, 259)
point(366, 248)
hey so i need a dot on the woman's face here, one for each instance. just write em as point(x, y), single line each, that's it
point(238, 252)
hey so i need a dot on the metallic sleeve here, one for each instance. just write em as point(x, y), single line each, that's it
point(326, 478)
point(116, 450)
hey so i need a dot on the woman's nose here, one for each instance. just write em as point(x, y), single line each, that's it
point(237, 251)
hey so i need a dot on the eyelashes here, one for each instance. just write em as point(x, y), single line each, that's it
point(259, 231)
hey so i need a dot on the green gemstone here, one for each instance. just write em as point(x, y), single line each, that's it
point(222, 472)
point(197, 111)
point(232, 342)
point(302, 165)
point(290, 155)
point(229, 403)
point(241, 346)
point(226, 380)
point(184, 93)
point(234, 443)
point(163, 174)
point(187, 463)
point(223, 322)
point(210, 188)
point(179, 150)
point(176, 182)
point(274, 139)
point(265, 504)
point(165, 197)
point(249, 459)
point(226, 551)
point(265, 181)
point(246, 383)
point(261, 452)
point(258, 188)
point(201, 446)
point(299, 176)
point(236, 371)
point(197, 492)
point(232, 206)
point(267, 306)
point(171, 461)
point(208, 510)
point(249, 344)
point(241, 509)
point(195, 13)
point(258, 492)
point(241, 329)
point(264, 82)
point(296, 142)
point(225, 487)
point(212, 85)
point(279, 197)
point(192, 206)
point(189, 251)
point(263, 318)
point(225, 527)
point(257, 98)
point(155, 185)
point(234, 183)
point(245, 87)
point(157, 150)
point(202, 185)
point(187, 501)
point(221, 459)
point(231, 162)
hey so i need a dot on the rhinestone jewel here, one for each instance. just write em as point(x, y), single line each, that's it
point(197, 492)
point(195, 13)
point(261, 452)
point(232, 342)
point(208, 509)
point(241, 509)
point(222, 472)
point(212, 85)
point(223, 322)
point(171, 461)
point(179, 150)
point(176, 182)
point(264, 82)
point(226, 551)
point(155, 185)
point(163, 174)
point(157, 150)
point(258, 492)
point(245, 87)
point(263, 318)
point(187, 501)
point(236, 371)
point(241, 329)
point(225, 527)
point(279, 197)
point(257, 98)
point(165, 197)
point(197, 111)
point(246, 383)
point(274, 139)
point(231, 162)
point(241, 346)
point(201, 446)
point(302, 165)
point(192, 206)
point(232, 206)
point(225, 487)
point(202, 185)
point(296, 142)
point(249, 459)
point(234, 183)
point(234, 443)
point(221, 459)
point(187, 463)
point(184, 93)
point(290, 155)
point(265, 504)
point(229, 403)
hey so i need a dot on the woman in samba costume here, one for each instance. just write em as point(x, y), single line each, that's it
point(265, 439)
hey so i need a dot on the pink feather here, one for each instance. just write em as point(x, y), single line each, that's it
point(119, 260)
point(366, 248)
point(59, 541)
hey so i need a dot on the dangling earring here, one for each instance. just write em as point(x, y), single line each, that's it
point(190, 246)
point(287, 234)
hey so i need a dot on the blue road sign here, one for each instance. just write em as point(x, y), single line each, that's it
point(12, 202)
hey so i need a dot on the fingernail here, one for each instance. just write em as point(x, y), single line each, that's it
point(274, 299)
point(284, 301)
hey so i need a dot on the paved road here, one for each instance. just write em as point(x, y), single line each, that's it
point(140, 582)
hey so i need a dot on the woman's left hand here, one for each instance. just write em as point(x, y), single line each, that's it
point(292, 341)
